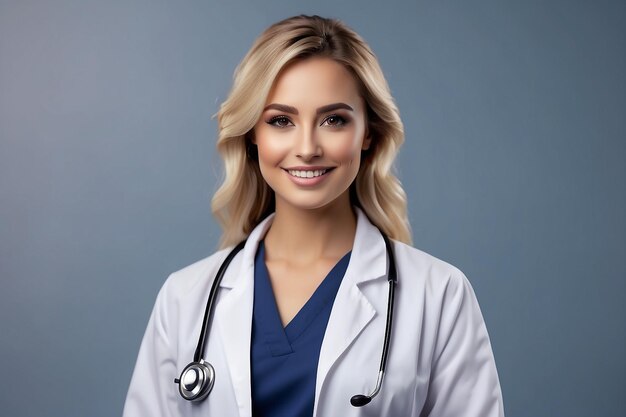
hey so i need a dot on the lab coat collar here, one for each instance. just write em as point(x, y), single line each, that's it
point(351, 310)
point(233, 277)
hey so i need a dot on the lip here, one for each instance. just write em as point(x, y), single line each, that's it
point(308, 182)
point(307, 168)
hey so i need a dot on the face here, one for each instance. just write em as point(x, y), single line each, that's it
point(311, 134)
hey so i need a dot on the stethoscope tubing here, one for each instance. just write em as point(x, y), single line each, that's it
point(208, 312)
point(205, 371)
point(393, 281)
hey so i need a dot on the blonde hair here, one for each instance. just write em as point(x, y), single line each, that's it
point(244, 198)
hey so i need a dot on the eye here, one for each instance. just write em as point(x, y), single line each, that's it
point(279, 121)
point(334, 120)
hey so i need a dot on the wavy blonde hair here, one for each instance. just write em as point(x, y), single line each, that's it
point(244, 198)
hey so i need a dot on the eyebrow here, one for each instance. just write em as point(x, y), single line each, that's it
point(320, 110)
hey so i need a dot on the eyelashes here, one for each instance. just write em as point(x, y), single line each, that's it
point(277, 120)
point(282, 122)
point(339, 121)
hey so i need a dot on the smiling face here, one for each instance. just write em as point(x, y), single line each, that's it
point(311, 134)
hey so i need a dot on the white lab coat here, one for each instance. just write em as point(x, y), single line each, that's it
point(440, 360)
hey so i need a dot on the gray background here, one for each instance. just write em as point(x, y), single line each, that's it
point(514, 165)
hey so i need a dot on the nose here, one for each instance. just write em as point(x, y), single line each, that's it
point(307, 144)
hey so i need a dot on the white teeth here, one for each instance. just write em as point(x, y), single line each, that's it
point(307, 174)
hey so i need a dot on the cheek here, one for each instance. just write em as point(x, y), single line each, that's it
point(270, 152)
point(347, 152)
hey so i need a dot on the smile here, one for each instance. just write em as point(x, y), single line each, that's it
point(307, 174)
point(308, 177)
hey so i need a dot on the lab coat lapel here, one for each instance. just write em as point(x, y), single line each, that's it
point(352, 311)
point(234, 317)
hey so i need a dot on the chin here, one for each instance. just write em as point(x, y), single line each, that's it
point(312, 202)
point(308, 205)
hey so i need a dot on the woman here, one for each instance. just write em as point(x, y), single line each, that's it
point(299, 316)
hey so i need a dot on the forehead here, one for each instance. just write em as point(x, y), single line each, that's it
point(313, 82)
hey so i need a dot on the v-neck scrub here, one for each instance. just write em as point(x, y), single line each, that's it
point(283, 361)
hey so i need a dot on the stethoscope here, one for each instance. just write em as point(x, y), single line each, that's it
point(197, 379)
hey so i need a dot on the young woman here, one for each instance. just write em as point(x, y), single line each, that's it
point(316, 305)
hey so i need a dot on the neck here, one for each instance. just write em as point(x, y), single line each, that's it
point(305, 235)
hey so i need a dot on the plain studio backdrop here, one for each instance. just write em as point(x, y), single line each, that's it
point(514, 165)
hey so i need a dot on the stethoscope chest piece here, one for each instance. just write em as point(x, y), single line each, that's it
point(196, 381)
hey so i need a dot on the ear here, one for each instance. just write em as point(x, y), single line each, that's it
point(367, 140)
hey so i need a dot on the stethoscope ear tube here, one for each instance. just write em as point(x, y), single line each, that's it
point(393, 280)
point(208, 311)
point(360, 400)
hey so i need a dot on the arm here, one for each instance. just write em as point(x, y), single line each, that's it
point(152, 391)
point(464, 380)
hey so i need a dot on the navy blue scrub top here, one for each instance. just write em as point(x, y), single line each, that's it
point(283, 361)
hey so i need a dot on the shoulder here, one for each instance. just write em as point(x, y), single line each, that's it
point(194, 276)
point(442, 291)
point(425, 270)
